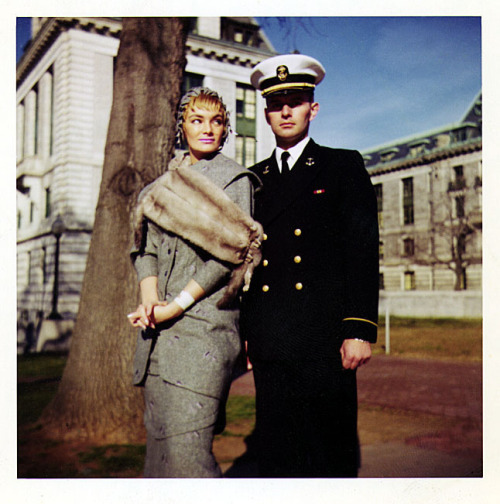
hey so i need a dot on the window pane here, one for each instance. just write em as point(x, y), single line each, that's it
point(239, 150)
point(249, 151)
point(250, 111)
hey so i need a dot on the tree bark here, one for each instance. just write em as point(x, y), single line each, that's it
point(96, 399)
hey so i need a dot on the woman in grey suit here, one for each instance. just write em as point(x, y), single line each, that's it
point(185, 255)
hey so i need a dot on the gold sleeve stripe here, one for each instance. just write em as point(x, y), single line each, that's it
point(360, 320)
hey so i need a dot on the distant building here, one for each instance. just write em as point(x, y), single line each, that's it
point(429, 192)
point(64, 96)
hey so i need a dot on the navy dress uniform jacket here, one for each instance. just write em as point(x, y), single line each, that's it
point(316, 286)
point(318, 282)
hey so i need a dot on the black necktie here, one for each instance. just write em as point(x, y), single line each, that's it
point(285, 170)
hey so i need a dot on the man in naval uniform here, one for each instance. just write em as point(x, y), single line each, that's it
point(311, 311)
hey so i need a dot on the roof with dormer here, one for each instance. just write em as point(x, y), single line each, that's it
point(450, 140)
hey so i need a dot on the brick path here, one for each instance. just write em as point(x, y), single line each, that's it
point(428, 386)
point(449, 389)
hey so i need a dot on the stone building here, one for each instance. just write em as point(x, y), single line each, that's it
point(64, 95)
point(429, 192)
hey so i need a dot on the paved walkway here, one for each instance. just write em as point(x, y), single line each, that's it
point(448, 389)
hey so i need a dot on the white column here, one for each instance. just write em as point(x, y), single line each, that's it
point(44, 112)
point(29, 123)
point(20, 120)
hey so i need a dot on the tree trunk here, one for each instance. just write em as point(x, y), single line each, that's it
point(96, 399)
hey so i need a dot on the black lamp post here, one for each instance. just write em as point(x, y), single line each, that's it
point(57, 229)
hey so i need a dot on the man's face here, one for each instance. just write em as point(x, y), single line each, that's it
point(289, 117)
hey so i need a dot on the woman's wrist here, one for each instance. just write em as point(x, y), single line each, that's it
point(162, 313)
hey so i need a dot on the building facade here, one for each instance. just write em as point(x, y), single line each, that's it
point(64, 96)
point(429, 193)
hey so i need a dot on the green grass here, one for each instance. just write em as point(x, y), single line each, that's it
point(38, 378)
point(239, 407)
point(442, 339)
point(443, 323)
point(40, 366)
point(32, 399)
point(101, 461)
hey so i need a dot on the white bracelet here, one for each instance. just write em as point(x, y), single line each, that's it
point(184, 300)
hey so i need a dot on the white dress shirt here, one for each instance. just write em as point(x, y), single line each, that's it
point(295, 152)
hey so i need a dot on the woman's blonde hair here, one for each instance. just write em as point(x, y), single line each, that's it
point(204, 98)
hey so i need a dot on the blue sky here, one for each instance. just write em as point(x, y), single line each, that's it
point(386, 77)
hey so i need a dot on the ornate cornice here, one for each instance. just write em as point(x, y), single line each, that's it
point(52, 28)
point(224, 51)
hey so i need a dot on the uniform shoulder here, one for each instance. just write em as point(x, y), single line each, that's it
point(259, 167)
point(332, 151)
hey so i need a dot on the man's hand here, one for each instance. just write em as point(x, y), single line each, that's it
point(355, 353)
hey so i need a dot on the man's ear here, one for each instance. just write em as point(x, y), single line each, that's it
point(314, 111)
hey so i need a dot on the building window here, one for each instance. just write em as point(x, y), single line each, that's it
point(381, 250)
point(459, 180)
point(459, 135)
point(418, 147)
point(389, 154)
point(19, 220)
point(48, 203)
point(460, 207)
point(409, 280)
point(409, 247)
point(32, 211)
point(381, 285)
point(240, 33)
point(245, 150)
point(416, 150)
point(245, 102)
point(246, 99)
point(380, 204)
point(238, 36)
point(191, 80)
point(408, 210)
point(44, 265)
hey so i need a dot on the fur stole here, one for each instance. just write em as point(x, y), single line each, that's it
point(188, 204)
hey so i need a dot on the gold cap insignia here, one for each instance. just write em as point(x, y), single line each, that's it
point(282, 72)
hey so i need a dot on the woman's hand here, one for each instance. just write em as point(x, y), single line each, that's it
point(144, 316)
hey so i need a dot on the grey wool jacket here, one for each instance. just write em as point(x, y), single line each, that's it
point(196, 351)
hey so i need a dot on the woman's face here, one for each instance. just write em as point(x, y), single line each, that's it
point(203, 130)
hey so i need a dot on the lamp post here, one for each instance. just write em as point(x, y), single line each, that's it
point(57, 229)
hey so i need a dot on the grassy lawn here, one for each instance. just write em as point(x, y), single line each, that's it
point(444, 339)
point(39, 375)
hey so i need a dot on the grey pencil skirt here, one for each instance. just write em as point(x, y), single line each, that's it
point(180, 430)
